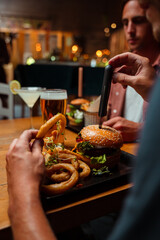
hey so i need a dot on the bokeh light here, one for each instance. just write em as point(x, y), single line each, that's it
point(99, 53)
point(74, 48)
point(106, 30)
point(38, 47)
point(113, 25)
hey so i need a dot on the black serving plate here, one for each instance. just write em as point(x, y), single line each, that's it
point(94, 184)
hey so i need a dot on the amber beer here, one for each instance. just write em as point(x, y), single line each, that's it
point(53, 102)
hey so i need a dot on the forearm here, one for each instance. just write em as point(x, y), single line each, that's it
point(28, 219)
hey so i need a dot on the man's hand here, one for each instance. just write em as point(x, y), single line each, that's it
point(135, 71)
point(25, 165)
point(25, 169)
point(128, 129)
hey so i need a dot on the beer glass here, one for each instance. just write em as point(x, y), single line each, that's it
point(53, 101)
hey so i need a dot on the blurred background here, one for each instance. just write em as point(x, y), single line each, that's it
point(78, 31)
point(48, 41)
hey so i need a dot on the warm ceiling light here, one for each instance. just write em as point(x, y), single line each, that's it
point(113, 25)
point(106, 30)
point(86, 56)
point(99, 53)
point(38, 47)
point(104, 60)
point(107, 34)
point(74, 48)
point(106, 52)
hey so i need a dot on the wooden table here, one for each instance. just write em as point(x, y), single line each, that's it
point(73, 213)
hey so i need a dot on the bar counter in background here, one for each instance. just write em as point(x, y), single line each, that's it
point(65, 76)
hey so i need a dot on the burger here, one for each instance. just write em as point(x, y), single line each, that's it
point(100, 148)
point(74, 113)
point(79, 101)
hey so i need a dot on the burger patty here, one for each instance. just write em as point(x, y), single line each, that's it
point(95, 152)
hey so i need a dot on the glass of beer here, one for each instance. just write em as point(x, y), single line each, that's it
point(53, 101)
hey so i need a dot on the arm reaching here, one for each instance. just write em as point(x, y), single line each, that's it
point(129, 130)
point(25, 170)
point(135, 71)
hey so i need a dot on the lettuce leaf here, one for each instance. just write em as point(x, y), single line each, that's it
point(100, 159)
point(101, 171)
point(84, 146)
point(78, 120)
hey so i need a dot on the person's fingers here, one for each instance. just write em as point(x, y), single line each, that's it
point(37, 146)
point(13, 143)
point(124, 79)
point(110, 122)
point(117, 126)
point(126, 69)
point(121, 59)
point(27, 136)
point(130, 59)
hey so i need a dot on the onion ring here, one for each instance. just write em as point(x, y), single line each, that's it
point(68, 158)
point(79, 156)
point(60, 177)
point(64, 158)
point(63, 176)
point(85, 169)
point(59, 188)
point(47, 129)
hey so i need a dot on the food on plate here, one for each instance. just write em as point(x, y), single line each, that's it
point(61, 187)
point(92, 106)
point(79, 101)
point(74, 113)
point(53, 128)
point(64, 168)
point(97, 151)
point(100, 148)
point(85, 169)
point(85, 106)
point(71, 171)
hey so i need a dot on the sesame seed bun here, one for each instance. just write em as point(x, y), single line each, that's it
point(79, 101)
point(107, 137)
point(106, 141)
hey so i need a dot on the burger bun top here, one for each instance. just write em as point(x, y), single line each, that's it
point(106, 137)
point(79, 101)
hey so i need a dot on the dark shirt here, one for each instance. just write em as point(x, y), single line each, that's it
point(140, 216)
point(4, 59)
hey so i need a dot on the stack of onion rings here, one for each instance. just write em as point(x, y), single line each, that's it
point(64, 168)
point(65, 173)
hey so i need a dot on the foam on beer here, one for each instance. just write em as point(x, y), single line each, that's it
point(54, 95)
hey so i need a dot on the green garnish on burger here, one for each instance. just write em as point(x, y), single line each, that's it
point(100, 147)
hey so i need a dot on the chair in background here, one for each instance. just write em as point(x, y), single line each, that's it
point(8, 68)
point(6, 111)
